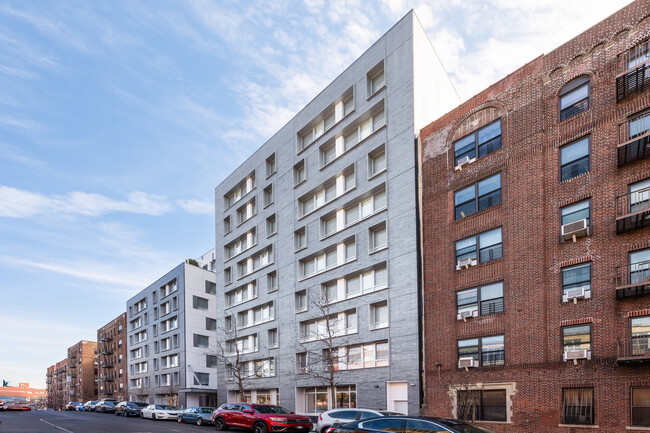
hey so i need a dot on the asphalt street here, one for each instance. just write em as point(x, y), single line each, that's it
point(88, 422)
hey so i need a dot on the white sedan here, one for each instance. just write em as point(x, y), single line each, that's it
point(159, 411)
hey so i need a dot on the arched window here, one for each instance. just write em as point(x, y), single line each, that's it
point(574, 98)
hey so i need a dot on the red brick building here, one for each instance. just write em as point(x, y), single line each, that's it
point(57, 385)
point(536, 246)
point(82, 371)
point(111, 348)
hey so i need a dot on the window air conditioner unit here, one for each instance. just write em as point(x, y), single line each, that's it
point(463, 161)
point(465, 314)
point(574, 355)
point(467, 362)
point(575, 294)
point(575, 230)
point(465, 263)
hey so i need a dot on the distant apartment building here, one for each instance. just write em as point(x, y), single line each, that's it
point(57, 385)
point(207, 261)
point(112, 354)
point(317, 241)
point(536, 245)
point(172, 340)
point(82, 371)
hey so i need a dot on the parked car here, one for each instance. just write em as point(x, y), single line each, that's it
point(410, 423)
point(342, 416)
point(129, 408)
point(15, 403)
point(261, 418)
point(89, 406)
point(72, 405)
point(105, 406)
point(196, 415)
point(159, 411)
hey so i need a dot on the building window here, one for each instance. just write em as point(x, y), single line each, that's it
point(241, 294)
point(300, 239)
point(364, 208)
point(574, 98)
point(344, 323)
point(227, 275)
point(201, 379)
point(574, 159)
point(335, 256)
point(641, 407)
point(477, 197)
point(211, 361)
point(270, 165)
point(639, 266)
point(485, 247)
point(638, 55)
point(201, 341)
point(243, 188)
point(481, 142)
point(639, 196)
point(226, 225)
point(578, 406)
point(272, 338)
point(481, 405)
point(210, 288)
point(483, 301)
point(301, 301)
point(576, 278)
point(377, 82)
point(378, 237)
point(487, 351)
point(639, 125)
point(640, 334)
point(576, 338)
point(328, 191)
point(299, 173)
point(576, 212)
point(364, 130)
point(379, 315)
point(271, 226)
point(301, 364)
point(268, 195)
point(246, 212)
point(377, 161)
point(199, 303)
point(210, 324)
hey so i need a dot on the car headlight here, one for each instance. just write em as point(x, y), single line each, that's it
point(283, 420)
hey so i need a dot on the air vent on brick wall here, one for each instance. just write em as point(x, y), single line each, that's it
point(575, 230)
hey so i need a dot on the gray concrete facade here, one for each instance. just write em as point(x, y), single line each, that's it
point(339, 247)
point(161, 322)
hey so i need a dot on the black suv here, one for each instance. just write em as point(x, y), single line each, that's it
point(129, 408)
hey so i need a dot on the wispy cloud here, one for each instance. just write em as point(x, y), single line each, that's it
point(197, 207)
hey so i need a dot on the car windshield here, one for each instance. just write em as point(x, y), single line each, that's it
point(270, 409)
point(206, 409)
point(166, 407)
point(462, 426)
point(109, 403)
point(137, 404)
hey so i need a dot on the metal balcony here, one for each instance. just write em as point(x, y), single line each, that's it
point(106, 364)
point(633, 280)
point(633, 351)
point(633, 80)
point(634, 150)
point(633, 211)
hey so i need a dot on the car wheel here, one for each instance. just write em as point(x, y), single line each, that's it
point(141, 415)
point(153, 416)
point(179, 419)
point(324, 429)
point(220, 424)
point(260, 427)
point(199, 421)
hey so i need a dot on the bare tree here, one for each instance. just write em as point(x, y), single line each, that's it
point(323, 348)
point(465, 399)
point(172, 392)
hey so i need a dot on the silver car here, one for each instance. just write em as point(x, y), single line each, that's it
point(342, 416)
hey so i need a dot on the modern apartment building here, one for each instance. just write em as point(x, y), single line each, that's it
point(207, 261)
point(172, 340)
point(536, 245)
point(82, 371)
point(317, 241)
point(57, 385)
point(112, 353)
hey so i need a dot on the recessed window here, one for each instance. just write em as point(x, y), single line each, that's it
point(210, 324)
point(268, 195)
point(227, 275)
point(578, 406)
point(639, 196)
point(640, 406)
point(326, 192)
point(481, 405)
point(483, 247)
point(365, 208)
point(379, 315)
point(241, 294)
point(376, 82)
point(576, 282)
point(483, 301)
point(300, 239)
point(226, 225)
point(201, 341)
point(271, 282)
point(574, 98)
point(477, 197)
point(638, 125)
point(210, 288)
point(378, 237)
point(574, 159)
point(299, 173)
point(488, 351)
point(639, 266)
point(202, 379)
point(576, 212)
point(364, 130)
point(376, 161)
point(246, 212)
point(375, 79)
point(273, 338)
point(301, 301)
point(328, 259)
point(482, 142)
point(271, 226)
point(199, 303)
point(270, 165)
point(301, 363)
point(639, 331)
point(576, 338)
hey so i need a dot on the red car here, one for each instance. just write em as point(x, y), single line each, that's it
point(261, 418)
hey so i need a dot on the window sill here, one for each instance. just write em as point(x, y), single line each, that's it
point(300, 183)
point(354, 296)
point(246, 220)
point(240, 199)
point(271, 174)
point(271, 235)
point(494, 422)
point(378, 327)
point(374, 175)
point(240, 253)
point(256, 270)
point(575, 116)
point(637, 428)
point(491, 208)
point(377, 92)
point(377, 250)
point(267, 205)
point(357, 144)
point(239, 303)
point(578, 426)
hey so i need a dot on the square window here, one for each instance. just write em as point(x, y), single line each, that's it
point(210, 324)
point(576, 279)
point(483, 301)
point(481, 142)
point(574, 159)
point(576, 338)
point(201, 341)
point(578, 406)
point(477, 197)
point(210, 288)
point(639, 194)
point(574, 98)
point(199, 303)
point(379, 315)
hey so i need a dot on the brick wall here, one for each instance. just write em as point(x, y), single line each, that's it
point(527, 104)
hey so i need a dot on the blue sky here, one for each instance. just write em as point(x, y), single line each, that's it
point(118, 119)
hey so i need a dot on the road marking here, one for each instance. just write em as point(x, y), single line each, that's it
point(53, 425)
